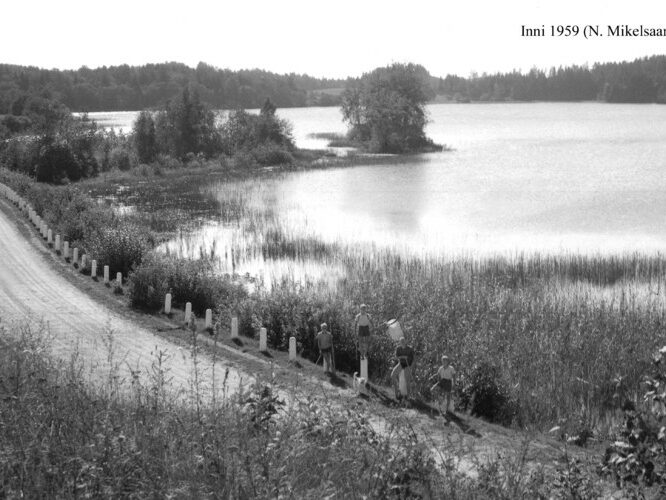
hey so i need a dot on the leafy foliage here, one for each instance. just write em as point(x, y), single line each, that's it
point(486, 395)
point(122, 248)
point(185, 126)
point(62, 434)
point(386, 109)
point(145, 139)
point(638, 455)
point(265, 136)
point(120, 88)
point(187, 281)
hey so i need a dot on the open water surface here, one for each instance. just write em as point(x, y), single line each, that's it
point(547, 177)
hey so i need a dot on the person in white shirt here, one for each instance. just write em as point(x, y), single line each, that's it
point(445, 375)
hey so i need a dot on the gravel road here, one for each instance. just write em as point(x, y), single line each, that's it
point(33, 293)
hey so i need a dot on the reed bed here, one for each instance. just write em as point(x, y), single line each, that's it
point(559, 336)
point(565, 335)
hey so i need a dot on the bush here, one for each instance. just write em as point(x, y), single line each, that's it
point(121, 159)
point(243, 131)
point(55, 162)
point(122, 248)
point(148, 284)
point(638, 454)
point(187, 280)
point(486, 395)
point(20, 155)
point(272, 154)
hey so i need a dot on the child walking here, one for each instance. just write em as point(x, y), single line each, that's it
point(324, 341)
point(444, 383)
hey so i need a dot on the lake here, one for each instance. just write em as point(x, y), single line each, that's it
point(547, 177)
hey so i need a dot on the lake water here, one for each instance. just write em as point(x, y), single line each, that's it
point(547, 177)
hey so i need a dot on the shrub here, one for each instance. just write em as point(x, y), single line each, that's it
point(243, 131)
point(122, 248)
point(55, 162)
point(270, 153)
point(187, 280)
point(20, 155)
point(638, 454)
point(486, 395)
point(148, 284)
point(121, 159)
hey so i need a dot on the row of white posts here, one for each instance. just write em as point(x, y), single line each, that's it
point(55, 240)
point(208, 325)
point(63, 246)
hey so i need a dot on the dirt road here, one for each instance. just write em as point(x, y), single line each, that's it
point(32, 292)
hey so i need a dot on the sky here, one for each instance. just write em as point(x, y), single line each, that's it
point(325, 39)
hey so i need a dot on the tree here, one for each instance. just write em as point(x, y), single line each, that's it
point(187, 126)
point(386, 109)
point(144, 137)
point(244, 131)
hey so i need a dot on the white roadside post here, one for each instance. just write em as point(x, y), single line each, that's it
point(65, 250)
point(364, 368)
point(84, 261)
point(209, 319)
point(106, 275)
point(119, 280)
point(75, 256)
point(403, 383)
point(57, 243)
point(188, 312)
point(263, 340)
point(292, 348)
point(93, 269)
point(167, 304)
point(234, 327)
point(49, 236)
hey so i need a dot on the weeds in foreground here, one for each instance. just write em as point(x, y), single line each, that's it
point(64, 437)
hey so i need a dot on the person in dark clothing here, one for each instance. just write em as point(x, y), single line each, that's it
point(324, 341)
point(405, 355)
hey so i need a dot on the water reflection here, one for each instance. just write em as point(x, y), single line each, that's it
point(522, 177)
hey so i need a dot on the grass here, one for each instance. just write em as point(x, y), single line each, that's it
point(65, 436)
point(567, 334)
point(563, 335)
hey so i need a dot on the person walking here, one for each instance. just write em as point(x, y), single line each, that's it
point(325, 344)
point(404, 353)
point(445, 375)
point(362, 323)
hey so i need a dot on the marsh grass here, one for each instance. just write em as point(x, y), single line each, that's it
point(564, 335)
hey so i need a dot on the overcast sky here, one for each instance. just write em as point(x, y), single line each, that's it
point(332, 38)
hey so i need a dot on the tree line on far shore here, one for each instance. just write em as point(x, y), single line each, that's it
point(639, 81)
point(126, 87)
point(133, 88)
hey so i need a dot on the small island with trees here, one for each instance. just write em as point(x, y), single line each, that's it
point(386, 110)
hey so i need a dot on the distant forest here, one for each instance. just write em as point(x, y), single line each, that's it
point(150, 86)
point(639, 81)
point(131, 88)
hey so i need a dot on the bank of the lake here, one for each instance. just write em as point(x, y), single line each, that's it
point(548, 324)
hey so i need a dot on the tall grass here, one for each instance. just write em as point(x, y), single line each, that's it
point(563, 335)
point(566, 336)
point(63, 437)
